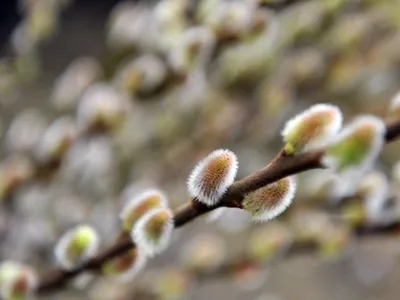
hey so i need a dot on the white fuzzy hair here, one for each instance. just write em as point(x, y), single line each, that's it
point(263, 213)
point(377, 142)
point(329, 131)
point(140, 236)
point(60, 250)
point(196, 182)
point(136, 201)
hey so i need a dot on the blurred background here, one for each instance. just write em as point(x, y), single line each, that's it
point(102, 99)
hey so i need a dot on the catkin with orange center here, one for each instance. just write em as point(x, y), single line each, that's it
point(151, 202)
point(215, 172)
point(313, 126)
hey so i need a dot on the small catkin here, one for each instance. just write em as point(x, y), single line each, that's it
point(212, 176)
point(153, 231)
point(357, 146)
point(314, 128)
point(140, 205)
point(17, 281)
point(102, 107)
point(76, 246)
point(271, 200)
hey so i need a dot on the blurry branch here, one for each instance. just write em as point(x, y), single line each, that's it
point(297, 248)
point(246, 268)
point(282, 4)
point(280, 167)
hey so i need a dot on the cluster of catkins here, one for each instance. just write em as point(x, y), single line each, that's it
point(350, 154)
point(212, 177)
point(349, 151)
point(39, 23)
point(101, 109)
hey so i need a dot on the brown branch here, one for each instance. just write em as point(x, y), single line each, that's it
point(283, 4)
point(297, 248)
point(226, 269)
point(281, 167)
point(392, 130)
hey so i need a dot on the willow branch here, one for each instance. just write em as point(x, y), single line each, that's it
point(281, 167)
point(296, 249)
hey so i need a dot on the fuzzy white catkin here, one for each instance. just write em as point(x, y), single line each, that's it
point(141, 236)
point(182, 58)
point(102, 101)
point(61, 248)
point(71, 84)
point(8, 269)
point(316, 137)
point(150, 68)
point(207, 183)
point(60, 132)
point(270, 201)
point(11, 274)
point(135, 202)
point(377, 142)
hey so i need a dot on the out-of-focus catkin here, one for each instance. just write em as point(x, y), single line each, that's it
point(153, 232)
point(140, 205)
point(357, 146)
point(76, 246)
point(17, 281)
point(314, 128)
